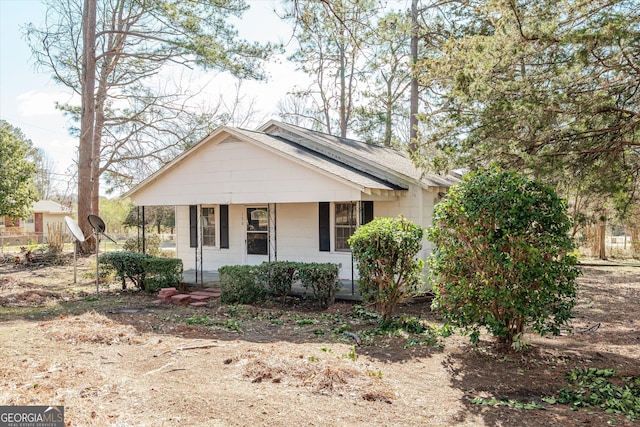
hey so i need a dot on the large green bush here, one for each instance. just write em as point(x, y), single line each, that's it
point(503, 256)
point(385, 251)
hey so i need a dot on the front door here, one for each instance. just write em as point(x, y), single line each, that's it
point(257, 235)
point(37, 223)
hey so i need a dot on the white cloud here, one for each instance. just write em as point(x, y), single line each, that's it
point(34, 103)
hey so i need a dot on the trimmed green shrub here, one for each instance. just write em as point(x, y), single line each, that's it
point(503, 256)
point(277, 278)
point(126, 265)
point(239, 284)
point(322, 278)
point(385, 251)
point(145, 271)
point(152, 244)
point(162, 273)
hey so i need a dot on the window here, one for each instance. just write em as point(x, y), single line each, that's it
point(257, 231)
point(345, 223)
point(208, 226)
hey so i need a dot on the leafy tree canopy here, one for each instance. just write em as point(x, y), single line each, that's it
point(17, 191)
point(550, 87)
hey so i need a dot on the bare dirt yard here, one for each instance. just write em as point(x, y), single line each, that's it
point(118, 359)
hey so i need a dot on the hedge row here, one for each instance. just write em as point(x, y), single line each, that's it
point(145, 271)
point(247, 284)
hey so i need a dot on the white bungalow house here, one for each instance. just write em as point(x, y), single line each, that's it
point(284, 193)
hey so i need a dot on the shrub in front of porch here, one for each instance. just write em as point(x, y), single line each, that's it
point(322, 278)
point(145, 271)
point(277, 277)
point(239, 285)
point(125, 265)
point(248, 284)
point(385, 251)
point(162, 273)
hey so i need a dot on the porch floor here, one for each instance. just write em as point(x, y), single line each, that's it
point(348, 291)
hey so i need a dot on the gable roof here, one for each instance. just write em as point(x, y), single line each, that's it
point(321, 161)
point(365, 166)
point(378, 160)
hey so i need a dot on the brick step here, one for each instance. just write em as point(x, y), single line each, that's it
point(197, 298)
point(199, 304)
point(181, 299)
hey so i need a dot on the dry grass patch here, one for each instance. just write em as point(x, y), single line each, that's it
point(323, 372)
point(28, 299)
point(90, 327)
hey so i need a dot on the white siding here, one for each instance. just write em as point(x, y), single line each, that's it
point(212, 257)
point(48, 220)
point(238, 172)
point(417, 206)
point(298, 237)
point(296, 240)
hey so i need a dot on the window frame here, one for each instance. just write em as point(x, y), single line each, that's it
point(214, 227)
point(351, 227)
point(260, 231)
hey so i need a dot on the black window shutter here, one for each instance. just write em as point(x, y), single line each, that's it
point(224, 226)
point(193, 226)
point(366, 211)
point(324, 226)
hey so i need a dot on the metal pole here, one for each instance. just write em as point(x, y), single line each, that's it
point(144, 237)
point(75, 261)
point(269, 232)
point(352, 263)
point(138, 227)
point(201, 244)
point(97, 272)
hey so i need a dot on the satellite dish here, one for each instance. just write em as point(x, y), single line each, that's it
point(79, 235)
point(74, 228)
point(97, 223)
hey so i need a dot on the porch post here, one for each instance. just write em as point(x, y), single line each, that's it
point(144, 242)
point(138, 227)
point(201, 244)
point(272, 234)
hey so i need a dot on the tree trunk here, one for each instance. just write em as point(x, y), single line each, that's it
point(96, 147)
point(603, 229)
point(635, 241)
point(387, 126)
point(413, 107)
point(343, 95)
point(85, 147)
